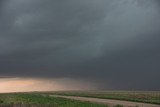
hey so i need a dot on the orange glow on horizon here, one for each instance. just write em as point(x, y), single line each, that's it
point(22, 85)
point(30, 84)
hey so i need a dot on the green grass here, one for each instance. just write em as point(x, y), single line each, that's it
point(118, 105)
point(152, 97)
point(36, 99)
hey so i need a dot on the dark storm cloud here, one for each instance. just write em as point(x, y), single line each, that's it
point(114, 43)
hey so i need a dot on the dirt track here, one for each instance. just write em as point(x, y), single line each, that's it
point(109, 102)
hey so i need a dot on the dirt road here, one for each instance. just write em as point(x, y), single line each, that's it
point(109, 102)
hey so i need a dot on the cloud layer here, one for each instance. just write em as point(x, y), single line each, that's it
point(112, 43)
point(32, 84)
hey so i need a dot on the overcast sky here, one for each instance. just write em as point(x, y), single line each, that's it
point(113, 44)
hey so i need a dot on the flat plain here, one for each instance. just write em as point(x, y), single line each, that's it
point(152, 97)
point(73, 99)
point(38, 100)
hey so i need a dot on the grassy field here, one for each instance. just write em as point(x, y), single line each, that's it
point(136, 96)
point(42, 101)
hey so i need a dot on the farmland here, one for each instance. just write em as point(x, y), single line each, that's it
point(152, 97)
point(49, 99)
point(38, 100)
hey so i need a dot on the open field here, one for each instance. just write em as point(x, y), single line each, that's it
point(152, 97)
point(109, 102)
point(36, 100)
point(86, 99)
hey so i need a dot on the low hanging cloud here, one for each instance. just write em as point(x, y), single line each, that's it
point(111, 43)
point(35, 84)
